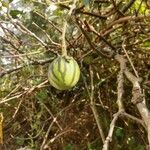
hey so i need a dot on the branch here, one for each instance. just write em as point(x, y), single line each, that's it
point(138, 98)
point(89, 40)
point(131, 63)
point(41, 62)
point(79, 11)
point(125, 19)
point(120, 89)
point(111, 130)
point(127, 6)
point(91, 28)
point(17, 23)
point(54, 26)
point(120, 92)
point(20, 94)
point(94, 110)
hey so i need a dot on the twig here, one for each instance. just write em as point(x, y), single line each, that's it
point(79, 11)
point(125, 19)
point(12, 98)
point(119, 102)
point(26, 91)
point(46, 135)
point(101, 37)
point(17, 109)
point(127, 6)
point(138, 98)
point(89, 40)
point(134, 118)
point(123, 46)
point(94, 110)
point(17, 23)
point(41, 62)
point(57, 44)
point(120, 81)
point(56, 137)
point(111, 130)
point(13, 91)
point(54, 118)
point(22, 55)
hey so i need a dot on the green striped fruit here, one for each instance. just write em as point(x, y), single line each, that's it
point(63, 73)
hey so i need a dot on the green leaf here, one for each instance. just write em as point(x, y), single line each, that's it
point(90, 146)
point(141, 7)
point(119, 132)
point(140, 147)
point(14, 13)
point(88, 59)
point(10, 1)
point(146, 44)
point(20, 141)
point(68, 147)
point(41, 95)
point(5, 4)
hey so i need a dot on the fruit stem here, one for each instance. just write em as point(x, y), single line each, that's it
point(64, 48)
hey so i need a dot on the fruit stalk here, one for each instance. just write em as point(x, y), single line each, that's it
point(64, 49)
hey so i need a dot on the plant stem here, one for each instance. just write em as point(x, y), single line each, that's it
point(64, 48)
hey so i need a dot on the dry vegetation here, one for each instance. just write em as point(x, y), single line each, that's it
point(109, 107)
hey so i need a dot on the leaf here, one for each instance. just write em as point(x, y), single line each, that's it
point(88, 59)
point(90, 146)
point(20, 141)
point(41, 95)
point(14, 13)
point(141, 7)
point(146, 44)
point(68, 147)
point(10, 1)
point(5, 4)
point(119, 132)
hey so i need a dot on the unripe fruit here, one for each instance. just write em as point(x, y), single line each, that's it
point(63, 73)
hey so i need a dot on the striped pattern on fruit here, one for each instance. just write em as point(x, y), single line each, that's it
point(63, 73)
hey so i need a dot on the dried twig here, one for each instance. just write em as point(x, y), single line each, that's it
point(127, 6)
point(79, 11)
point(123, 47)
point(124, 19)
point(53, 25)
point(26, 30)
point(20, 94)
point(40, 62)
point(138, 98)
point(94, 110)
point(88, 38)
point(119, 102)
point(111, 130)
